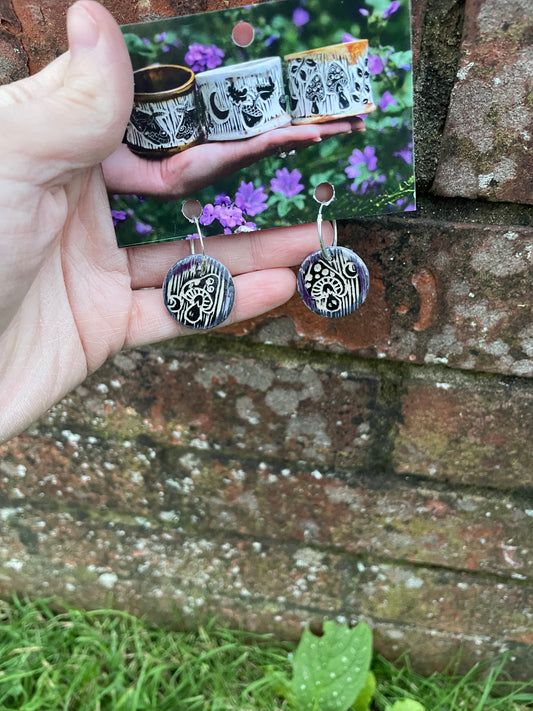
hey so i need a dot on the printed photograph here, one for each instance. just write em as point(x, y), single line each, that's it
point(251, 108)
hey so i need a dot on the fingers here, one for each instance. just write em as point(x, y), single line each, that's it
point(200, 166)
point(266, 249)
point(255, 294)
point(83, 118)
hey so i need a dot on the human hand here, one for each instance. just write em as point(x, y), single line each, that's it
point(69, 298)
point(198, 167)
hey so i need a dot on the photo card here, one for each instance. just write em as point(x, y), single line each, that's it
point(248, 109)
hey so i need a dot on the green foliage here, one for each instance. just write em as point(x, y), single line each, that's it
point(406, 705)
point(362, 702)
point(108, 660)
point(330, 671)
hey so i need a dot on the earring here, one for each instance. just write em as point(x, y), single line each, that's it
point(333, 281)
point(198, 290)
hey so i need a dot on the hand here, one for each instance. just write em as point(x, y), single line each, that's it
point(198, 167)
point(69, 297)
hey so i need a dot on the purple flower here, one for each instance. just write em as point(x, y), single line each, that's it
point(251, 200)
point(247, 227)
point(222, 199)
point(395, 5)
point(363, 12)
point(287, 182)
point(209, 214)
point(199, 57)
point(387, 100)
point(229, 216)
point(405, 153)
point(371, 185)
point(366, 157)
point(118, 216)
point(271, 39)
point(375, 65)
point(161, 37)
point(300, 17)
point(145, 40)
point(347, 37)
point(143, 228)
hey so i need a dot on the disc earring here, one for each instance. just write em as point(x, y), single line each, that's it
point(333, 281)
point(198, 290)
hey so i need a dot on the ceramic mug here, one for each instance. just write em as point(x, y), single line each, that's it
point(243, 100)
point(329, 82)
point(165, 118)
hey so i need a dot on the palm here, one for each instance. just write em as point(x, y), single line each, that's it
point(68, 296)
point(96, 274)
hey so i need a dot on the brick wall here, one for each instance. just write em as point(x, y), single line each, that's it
point(178, 478)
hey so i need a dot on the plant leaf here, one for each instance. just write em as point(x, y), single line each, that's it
point(330, 671)
point(362, 702)
point(406, 705)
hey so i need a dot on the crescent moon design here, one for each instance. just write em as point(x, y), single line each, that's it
point(220, 114)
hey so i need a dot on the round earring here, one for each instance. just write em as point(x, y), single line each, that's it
point(333, 281)
point(198, 290)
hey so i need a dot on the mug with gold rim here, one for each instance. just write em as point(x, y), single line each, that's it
point(164, 119)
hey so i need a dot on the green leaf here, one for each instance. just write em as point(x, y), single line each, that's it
point(378, 5)
point(362, 702)
point(330, 671)
point(135, 45)
point(406, 705)
point(283, 207)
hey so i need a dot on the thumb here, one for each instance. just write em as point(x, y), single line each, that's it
point(83, 119)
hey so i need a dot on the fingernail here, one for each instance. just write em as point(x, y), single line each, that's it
point(83, 31)
point(318, 139)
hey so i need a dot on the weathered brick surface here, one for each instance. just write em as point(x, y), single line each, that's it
point(270, 586)
point(467, 435)
point(454, 294)
point(373, 467)
point(486, 150)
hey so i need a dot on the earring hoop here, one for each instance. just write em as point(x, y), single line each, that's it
point(198, 290)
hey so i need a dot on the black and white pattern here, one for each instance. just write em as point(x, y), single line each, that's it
point(328, 85)
point(333, 286)
point(164, 124)
point(239, 106)
point(198, 292)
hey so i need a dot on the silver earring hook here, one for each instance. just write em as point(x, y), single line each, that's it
point(324, 194)
point(192, 211)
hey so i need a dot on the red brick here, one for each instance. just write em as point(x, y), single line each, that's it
point(440, 293)
point(486, 149)
point(13, 60)
point(466, 435)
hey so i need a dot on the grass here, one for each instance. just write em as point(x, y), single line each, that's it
point(109, 660)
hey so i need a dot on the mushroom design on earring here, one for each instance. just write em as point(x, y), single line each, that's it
point(198, 290)
point(333, 281)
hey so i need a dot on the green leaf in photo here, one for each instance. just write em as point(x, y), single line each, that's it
point(330, 671)
point(135, 45)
